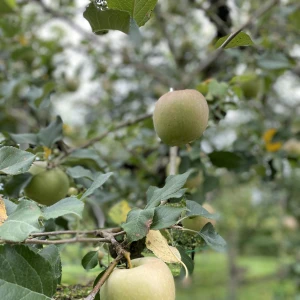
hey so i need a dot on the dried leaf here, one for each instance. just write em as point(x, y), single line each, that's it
point(3, 215)
point(158, 244)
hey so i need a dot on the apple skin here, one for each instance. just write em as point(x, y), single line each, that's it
point(149, 279)
point(47, 186)
point(197, 223)
point(180, 117)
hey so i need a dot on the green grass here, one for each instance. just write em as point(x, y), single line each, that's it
point(209, 281)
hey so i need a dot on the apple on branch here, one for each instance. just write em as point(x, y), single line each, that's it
point(148, 279)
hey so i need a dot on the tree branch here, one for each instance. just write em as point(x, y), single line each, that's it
point(116, 128)
point(113, 231)
point(57, 242)
point(207, 62)
point(163, 24)
point(104, 277)
point(121, 253)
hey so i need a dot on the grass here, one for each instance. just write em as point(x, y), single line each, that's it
point(209, 281)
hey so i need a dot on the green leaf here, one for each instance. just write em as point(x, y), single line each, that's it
point(88, 158)
point(63, 207)
point(22, 267)
point(90, 260)
point(138, 223)
point(139, 10)
point(18, 292)
point(47, 136)
point(14, 161)
point(107, 20)
point(50, 135)
point(10, 206)
point(195, 209)
point(124, 15)
point(7, 6)
point(275, 61)
point(79, 172)
point(51, 254)
point(23, 221)
point(172, 189)
point(241, 39)
point(17, 183)
point(165, 216)
point(217, 89)
point(225, 159)
point(43, 99)
point(212, 238)
point(187, 260)
point(24, 138)
point(98, 182)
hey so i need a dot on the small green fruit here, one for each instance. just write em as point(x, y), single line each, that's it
point(197, 223)
point(47, 186)
point(180, 117)
point(72, 191)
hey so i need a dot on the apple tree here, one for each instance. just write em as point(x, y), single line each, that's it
point(128, 179)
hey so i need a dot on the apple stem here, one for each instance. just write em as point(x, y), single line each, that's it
point(127, 256)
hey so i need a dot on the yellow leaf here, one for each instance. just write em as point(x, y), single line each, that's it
point(268, 137)
point(158, 244)
point(3, 215)
point(47, 152)
point(118, 213)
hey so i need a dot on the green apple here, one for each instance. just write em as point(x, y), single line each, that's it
point(72, 191)
point(180, 117)
point(47, 186)
point(197, 223)
point(149, 279)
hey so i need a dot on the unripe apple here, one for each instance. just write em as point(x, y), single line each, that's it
point(47, 186)
point(72, 191)
point(197, 223)
point(180, 117)
point(251, 85)
point(149, 279)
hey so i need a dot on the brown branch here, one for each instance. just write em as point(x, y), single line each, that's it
point(104, 277)
point(114, 231)
point(121, 253)
point(106, 133)
point(208, 61)
point(57, 242)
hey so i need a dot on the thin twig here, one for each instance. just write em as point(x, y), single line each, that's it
point(121, 253)
point(104, 277)
point(57, 242)
point(119, 126)
point(208, 61)
point(114, 231)
point(170, 40)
